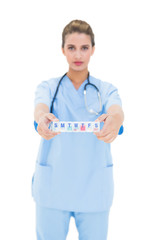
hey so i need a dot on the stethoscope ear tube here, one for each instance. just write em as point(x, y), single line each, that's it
point(51, 108)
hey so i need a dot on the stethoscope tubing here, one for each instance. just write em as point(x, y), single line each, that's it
point(85, 87)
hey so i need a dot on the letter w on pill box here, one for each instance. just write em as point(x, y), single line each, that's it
point(75, 126)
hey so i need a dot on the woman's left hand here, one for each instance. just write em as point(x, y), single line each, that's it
point(110, 129)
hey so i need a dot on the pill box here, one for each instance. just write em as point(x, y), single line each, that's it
point(75, 126)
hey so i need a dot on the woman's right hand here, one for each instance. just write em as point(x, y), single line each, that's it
point(43, 125)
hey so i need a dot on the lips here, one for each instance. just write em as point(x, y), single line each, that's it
point(78, 63)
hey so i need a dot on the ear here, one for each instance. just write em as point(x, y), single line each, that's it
point(63, 51)
point(93, 49)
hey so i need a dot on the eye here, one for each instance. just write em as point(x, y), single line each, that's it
point(84, 48)
point(70, 48)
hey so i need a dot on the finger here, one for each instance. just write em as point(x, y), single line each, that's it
point(112, 139)
point(102, 117)
point(43, 127)
point(106, 138)
point(104, 131)
point(107, 128)
point(52, 117)
point(45, 120)
point(45, 130)
point(48, 135)
point(111, 136)
point(54, 133)
point(49, 117)
point(51, 133)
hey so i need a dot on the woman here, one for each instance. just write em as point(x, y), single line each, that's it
point(74, 171)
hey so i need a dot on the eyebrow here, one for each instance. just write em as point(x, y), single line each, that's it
point(84, 45)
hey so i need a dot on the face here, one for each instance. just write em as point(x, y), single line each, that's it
point(78, 50)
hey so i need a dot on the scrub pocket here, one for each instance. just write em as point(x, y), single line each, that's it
point(41, 182)
point(108, 185)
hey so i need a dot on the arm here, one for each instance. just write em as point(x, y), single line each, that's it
point(117, 112)
point(40, 109)
point(43, 117)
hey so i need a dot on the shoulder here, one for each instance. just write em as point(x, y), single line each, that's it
point(53, 83)
point(103, 86)
point(49, 84)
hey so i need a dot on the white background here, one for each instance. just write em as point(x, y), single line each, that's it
point(128, 55)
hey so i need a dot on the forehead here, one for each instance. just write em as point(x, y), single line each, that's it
point(78, 39)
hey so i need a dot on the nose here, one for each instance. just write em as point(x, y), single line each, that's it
point(77, 54)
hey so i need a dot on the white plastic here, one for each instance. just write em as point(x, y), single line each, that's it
point(75, 126)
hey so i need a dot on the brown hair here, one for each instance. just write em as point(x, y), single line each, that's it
point(80, 27)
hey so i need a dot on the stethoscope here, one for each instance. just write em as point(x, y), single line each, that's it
point(89, 110)
point(85, 98)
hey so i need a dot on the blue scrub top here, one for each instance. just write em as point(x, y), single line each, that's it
point(74, 171)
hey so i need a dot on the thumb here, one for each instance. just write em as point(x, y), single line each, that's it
point(52, 117)
point(102, 117)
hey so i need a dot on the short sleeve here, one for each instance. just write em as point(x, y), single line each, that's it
point(112, 97)
point(43, 94)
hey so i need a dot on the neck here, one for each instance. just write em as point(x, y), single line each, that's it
point(77, 77)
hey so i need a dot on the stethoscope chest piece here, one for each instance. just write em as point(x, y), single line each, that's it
point(99, 98)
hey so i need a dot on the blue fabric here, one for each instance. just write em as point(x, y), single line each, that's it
point(54, 224)
point(35, 125)
point(74, 172)
point(121, 130)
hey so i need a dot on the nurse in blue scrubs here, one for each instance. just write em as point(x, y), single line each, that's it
point(73, 174)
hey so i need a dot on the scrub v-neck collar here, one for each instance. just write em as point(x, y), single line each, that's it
point(70, 84)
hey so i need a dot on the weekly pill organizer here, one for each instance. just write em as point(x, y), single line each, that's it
point(75, 126)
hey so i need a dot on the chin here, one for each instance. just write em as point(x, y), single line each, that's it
point(78, 69)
